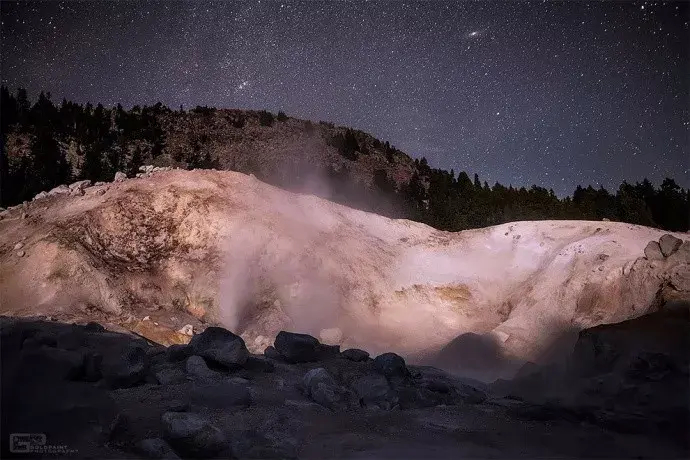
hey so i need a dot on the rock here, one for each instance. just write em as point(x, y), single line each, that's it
point(146, 169)
point(259, 364)
point(156, 448)
point(20, 254)
point(355, 354)
point(669, 244)
point(100, 192)
point(98, 184)
point(653, 251)
point(297, 348)
point(120, 177)
point(392, 366)
point(187, 329)
point(321, 388)
point(146, 318)
point(331, 336)
point(221, 346)
point(192, 435)
point(272, 353)
point(93, 327)
point(59, 190)
point(82, 184)
point(374, 390)
point(169, 376)
point(41, 195)
point(196, 366)
point(127, 370)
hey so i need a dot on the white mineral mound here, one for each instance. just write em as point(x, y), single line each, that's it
point(226, 248)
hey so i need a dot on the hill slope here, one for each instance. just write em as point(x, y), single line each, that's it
point(223, 247)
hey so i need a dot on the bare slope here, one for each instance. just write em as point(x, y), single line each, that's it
point(220, 247)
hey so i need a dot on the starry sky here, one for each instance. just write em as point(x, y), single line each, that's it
point(551, 93)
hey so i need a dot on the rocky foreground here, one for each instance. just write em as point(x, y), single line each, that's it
point(82, 391)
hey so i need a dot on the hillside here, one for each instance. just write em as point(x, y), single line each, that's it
point(46, 144)
point(211, 247)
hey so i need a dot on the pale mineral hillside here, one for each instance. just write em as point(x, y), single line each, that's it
point(174, 248)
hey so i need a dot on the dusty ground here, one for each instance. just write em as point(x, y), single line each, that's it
point(211, 247)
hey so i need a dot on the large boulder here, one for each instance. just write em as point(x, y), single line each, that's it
point(669, 244)
point(653, 251)
point(120, 177)
point(59, 190)
point(392, 366)
point(297, 348)
point(220, 346)
point(322, 388)
point(192, 435)
point(355, 354)
point(373, 390)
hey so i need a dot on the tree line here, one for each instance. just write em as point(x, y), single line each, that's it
point(72, 141)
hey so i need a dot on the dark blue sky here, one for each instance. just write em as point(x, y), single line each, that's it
point(552, 93)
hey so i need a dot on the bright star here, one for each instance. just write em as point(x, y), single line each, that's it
point(243, 85)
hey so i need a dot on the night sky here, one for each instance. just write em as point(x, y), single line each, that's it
point(556, 94)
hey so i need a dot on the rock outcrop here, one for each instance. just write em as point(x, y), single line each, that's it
point(204, 248)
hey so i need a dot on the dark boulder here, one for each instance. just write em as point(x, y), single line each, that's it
point(392, 366)
point(220, 346)
point(373, 390)
point(322, 388)
point(297, 348)
point(93, 327)
point(355, 354)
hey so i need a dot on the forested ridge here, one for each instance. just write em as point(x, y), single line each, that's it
point(46, 144)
